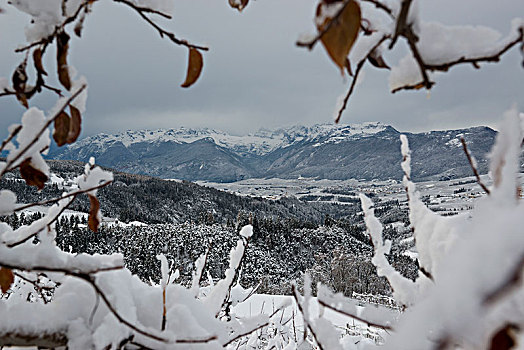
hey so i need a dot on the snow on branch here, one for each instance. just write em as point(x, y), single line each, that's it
point(404, 290)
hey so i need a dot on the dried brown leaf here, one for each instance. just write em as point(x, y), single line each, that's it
point(19, 80)
point(377, 60)
point(504, 339)
point(61, 132)
point(74, 125)
point(194, 68)
point(32, 175)
point(93, 221)
point(238, 4)
point(62, 47)
point(340, 33)
point(37, 59)
point(7, 278)
point(22, 98)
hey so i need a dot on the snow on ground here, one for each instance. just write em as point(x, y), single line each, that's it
point(267, 304)
point(443, 196)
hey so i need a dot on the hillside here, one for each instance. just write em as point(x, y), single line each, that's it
point(153, 200)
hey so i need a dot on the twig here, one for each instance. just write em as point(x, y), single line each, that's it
point(300, 308)
point(160, 30)
point(473, 167)
point(33, 234)
point(44, 128)
point(144, 9)
point(381, 6)
point(54, 200)
point(11, 136)
point(355, 78)
point(73, 195)
point(36, 286)
point(401, 22)
point(476, 60)
point(358, 318)
point(196, 341)
point(443, 67)
point(238, 336)
point(412, 42)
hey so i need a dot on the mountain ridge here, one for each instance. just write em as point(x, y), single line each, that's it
point(362, 151)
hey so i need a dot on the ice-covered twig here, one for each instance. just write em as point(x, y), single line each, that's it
point(472, 163)
point(220, 293)
point(200, 264)
point(404, 290)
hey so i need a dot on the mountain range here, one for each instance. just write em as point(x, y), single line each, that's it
point(361, 151)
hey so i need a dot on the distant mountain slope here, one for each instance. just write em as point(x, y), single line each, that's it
point(362, 151)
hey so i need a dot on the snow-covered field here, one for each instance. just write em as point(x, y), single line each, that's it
point(450, 195)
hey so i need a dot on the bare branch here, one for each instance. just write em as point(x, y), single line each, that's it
point(412, 40)
point(381, 6)
point(160, 30)
point(401, 22)
point(44, 128)
point(144, 9)
point(54, 200)
point(355, 77)
point(476, 60)
point(88, 277)
point(443, 67)
point(473, 167)
point(301, 309)
point(11, 136)
point(343, 312)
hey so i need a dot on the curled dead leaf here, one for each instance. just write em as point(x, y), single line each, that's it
point(74, 125)
point(61, 132)
point(238, 4)
point(339, 31)
point(377, 60)
point(504, 338)
point(32, 175)
point(94, 208)
point(194, 68)
point(19, 80)
point(62, 47)
point(7, 278)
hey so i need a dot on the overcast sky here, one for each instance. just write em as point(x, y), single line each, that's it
point(254, 76)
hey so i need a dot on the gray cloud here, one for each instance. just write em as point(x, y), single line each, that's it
point(255, 77)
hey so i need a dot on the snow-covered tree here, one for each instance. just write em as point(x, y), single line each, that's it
point(469, 291)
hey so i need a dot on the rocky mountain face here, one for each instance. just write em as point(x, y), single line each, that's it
point(363, 151)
